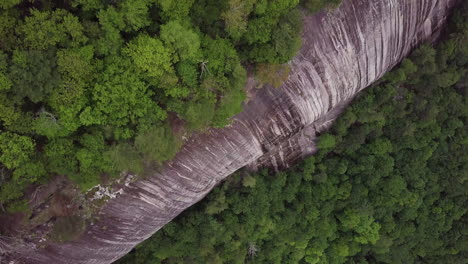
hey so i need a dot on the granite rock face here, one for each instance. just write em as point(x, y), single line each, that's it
point(343, 52)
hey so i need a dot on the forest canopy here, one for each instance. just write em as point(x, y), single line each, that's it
point(94, 87)
point(388, 185)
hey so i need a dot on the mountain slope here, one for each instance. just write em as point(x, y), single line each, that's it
point(343, 52)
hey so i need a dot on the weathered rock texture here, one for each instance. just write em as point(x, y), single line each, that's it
point(343, 52)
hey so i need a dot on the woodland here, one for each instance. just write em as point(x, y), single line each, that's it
point(388, 185)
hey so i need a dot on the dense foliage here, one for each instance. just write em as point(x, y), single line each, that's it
point(93, 86)
point(389, 184)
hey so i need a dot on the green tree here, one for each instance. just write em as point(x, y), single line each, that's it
point(34, 74)
point(327, 141)
point(124, 157)
point(235, 17)
point(9, 3)
point(150, 56)
point(15, 149)
point(8, 22)
point(92, 163)
point(184, 42)
point(175, 9)
point(157, 143)
point(44, 29)
point(87, 5)
point(120, 98)
point(135, 14)
point(60, 154)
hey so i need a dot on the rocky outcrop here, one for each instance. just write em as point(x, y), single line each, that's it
point(343, 52)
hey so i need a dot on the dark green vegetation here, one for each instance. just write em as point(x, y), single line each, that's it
point(389, 184)
point(94, 87)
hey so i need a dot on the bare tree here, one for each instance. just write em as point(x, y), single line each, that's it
point(35, 193)
point(204, 68)
point(51, 116)
point(253, 249)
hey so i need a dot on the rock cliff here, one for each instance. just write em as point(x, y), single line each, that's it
point(343, 51)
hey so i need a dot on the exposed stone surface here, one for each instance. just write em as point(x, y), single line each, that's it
point(343, 52)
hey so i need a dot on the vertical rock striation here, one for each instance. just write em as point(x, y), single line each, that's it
point(343, 52)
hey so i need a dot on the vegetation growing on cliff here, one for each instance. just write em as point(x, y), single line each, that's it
point(93, 86)
point(388, 185)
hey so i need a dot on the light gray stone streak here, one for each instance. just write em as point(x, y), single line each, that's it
point(343, 52)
